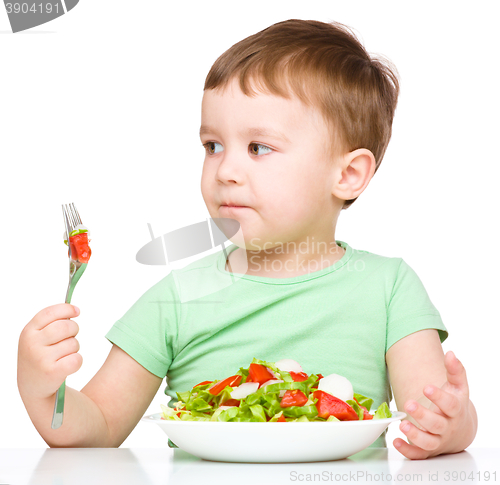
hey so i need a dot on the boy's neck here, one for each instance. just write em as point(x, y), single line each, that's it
point(277, 263)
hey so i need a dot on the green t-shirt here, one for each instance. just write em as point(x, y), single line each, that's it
point(203, 323)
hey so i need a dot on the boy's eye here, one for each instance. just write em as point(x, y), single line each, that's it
point(254, 149)
point(210, 147)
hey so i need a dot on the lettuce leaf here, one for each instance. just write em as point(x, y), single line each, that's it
point(332, 418)
point(382, 412)
point(302, 419)
point(276, 417)
point(295, 411)
point(171, 414)
point(356, 408)
point(364, 401)
point(258, 412)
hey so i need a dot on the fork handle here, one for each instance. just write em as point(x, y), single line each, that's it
point(74, 280)
point(57, 417)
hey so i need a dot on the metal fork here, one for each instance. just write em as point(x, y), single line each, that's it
point(76, 269)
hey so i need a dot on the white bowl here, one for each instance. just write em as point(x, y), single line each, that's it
point(273, 442)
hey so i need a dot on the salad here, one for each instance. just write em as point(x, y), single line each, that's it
point(79, 241)
point(274, 392)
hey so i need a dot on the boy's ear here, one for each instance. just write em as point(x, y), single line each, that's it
point(353, 173)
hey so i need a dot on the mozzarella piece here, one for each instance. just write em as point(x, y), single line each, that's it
point(337, 386)
point(243, 390)
point(271, 381)
point(288, 365)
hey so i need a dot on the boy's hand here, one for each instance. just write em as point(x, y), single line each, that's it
point(446, 425)
point(48, 351)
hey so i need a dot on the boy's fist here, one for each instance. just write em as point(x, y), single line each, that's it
point(48, 351)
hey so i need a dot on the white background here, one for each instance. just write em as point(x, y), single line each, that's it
point(102, 107)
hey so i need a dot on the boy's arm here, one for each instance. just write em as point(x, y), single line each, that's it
point(123, 390)
point(444, 422)
point(105, 411)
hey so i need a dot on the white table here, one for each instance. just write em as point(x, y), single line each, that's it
point(155, 466)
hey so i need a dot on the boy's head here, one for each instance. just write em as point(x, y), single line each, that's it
point(315, 84)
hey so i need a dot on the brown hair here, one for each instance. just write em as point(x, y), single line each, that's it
point(356, 94)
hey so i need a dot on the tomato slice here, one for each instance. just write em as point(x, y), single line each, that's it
point(232, 381)
point(281, 419)
point(80, 250)
point(329, 405)
point(366, 414)
point(293, 398)
point(258, 373)
point(231, 402)
point(299, 376)
point(203, 383)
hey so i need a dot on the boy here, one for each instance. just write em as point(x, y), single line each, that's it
point(295, 122)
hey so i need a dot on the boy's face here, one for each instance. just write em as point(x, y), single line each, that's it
point(284, 178)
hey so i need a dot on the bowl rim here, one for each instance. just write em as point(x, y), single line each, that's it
point(155, 418)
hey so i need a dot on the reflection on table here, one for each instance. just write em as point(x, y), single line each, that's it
point(154, 466)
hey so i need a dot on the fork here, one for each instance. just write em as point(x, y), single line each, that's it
point(76, 269)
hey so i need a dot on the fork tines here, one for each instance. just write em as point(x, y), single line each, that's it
point(73, 218)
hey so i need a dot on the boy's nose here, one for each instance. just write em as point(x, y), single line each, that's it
point(231, 168)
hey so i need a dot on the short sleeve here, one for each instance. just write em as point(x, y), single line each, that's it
point(148, 330)
point(410, 308)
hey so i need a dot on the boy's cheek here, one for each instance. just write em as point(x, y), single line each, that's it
point(207, 194)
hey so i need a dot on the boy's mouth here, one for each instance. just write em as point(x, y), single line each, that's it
point(233, 205)
point(232, 209)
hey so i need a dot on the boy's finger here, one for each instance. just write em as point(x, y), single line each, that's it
point(456, 374)
point(58, 331)
point(429, 420)
point(422, 439)
point(447, 402)
point(410, 451)
point(53, 313)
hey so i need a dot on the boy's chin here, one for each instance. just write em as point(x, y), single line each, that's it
point(231, 230)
